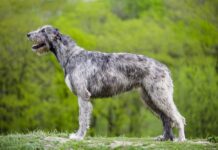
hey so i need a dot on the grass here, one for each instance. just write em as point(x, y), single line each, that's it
point(41, 140)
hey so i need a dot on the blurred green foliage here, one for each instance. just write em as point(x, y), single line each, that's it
point(182, 34)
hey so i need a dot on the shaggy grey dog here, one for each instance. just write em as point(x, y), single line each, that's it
point(90, 74)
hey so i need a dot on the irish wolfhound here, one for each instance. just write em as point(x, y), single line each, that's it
point(90, 74)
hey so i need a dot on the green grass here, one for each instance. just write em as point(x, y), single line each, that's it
point(41, 140)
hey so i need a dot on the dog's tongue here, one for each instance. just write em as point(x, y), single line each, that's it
point(38, 46)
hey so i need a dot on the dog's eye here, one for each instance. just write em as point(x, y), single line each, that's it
point(43, 30)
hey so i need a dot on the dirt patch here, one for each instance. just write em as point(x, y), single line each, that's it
point(199, 142)
point(116, 144)
point(56, 139)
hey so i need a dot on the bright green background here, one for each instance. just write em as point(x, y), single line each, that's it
point(182, 34)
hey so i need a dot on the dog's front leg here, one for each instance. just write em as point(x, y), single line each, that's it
point(85, 109)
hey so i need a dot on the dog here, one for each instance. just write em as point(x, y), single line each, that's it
point(91, 74)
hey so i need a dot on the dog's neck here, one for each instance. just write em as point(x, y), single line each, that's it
point(64, 48)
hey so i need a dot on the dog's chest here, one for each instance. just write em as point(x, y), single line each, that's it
point(68, 83)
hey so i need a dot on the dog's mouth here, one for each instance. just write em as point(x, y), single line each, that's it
point(38, 46)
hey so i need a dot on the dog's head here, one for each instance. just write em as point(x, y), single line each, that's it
point(43, 39)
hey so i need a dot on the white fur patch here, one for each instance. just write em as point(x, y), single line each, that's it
point(67, 81)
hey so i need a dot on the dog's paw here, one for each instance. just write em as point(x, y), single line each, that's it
point(159, 138)
point(162, 138)
point(73, 136)
point(182, 139)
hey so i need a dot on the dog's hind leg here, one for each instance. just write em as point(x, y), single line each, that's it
point(161, 95)
point(167, 123)
point(85, 109)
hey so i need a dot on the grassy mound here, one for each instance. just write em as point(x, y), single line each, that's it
point(41, 140)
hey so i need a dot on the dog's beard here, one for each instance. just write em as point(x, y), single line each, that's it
point(40, 48)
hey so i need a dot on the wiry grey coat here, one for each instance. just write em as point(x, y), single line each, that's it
point(91, 74)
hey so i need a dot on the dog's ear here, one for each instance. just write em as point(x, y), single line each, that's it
point(51, 30)
point(55, 31)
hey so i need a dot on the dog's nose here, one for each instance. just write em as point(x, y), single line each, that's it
point(28, 35)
